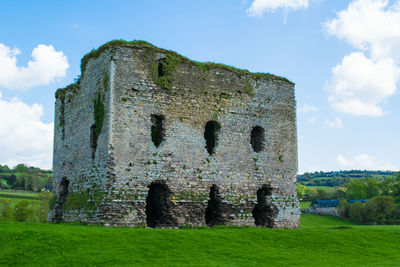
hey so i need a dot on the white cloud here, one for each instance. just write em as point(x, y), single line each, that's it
point(24, 138)
point(312, 120)
point(364, 162)
point(46, 65)
point(359, 84)
point(336, 123)
point(369, 25)
point(307, 109)
point(258, 7)
point(364, 80)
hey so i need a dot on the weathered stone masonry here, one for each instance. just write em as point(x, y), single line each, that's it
point(148, 137)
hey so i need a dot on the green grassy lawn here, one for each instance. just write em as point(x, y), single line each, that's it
point(321, 241)
point(304, 205)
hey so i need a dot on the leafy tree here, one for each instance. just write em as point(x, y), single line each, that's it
point(322, 194)
point(312, 194)
point(22, 211)
point(11, 179)
point(343, 208)
point(373, 188)
point(356, 189)
point(6, 211)
point(4, 168)
point(387, 186)
point(357, 212)
point(379, 208)
point(301, 190)
point(21, 168)
point(340, 193)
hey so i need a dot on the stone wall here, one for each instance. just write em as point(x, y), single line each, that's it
point(145, 82)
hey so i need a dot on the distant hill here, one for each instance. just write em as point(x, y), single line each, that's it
point(27, 178)
point(339, 178)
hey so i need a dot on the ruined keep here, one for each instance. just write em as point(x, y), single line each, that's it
point(149, 137)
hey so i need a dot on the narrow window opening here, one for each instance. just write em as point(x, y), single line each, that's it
point(264, 212)
point(93, 139)
point(158, 206)
point(62, 196)
point(214, 207)
point(257, 139)
point(157, 129)
point(211, 132)
point(160, 69)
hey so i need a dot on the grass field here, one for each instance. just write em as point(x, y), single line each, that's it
point(16, 196)
point(304, 205)
point(321, 241)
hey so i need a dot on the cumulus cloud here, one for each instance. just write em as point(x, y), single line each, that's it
point(365, 79)
point(46, 65)
point(258, 7)
point(307, 109)
point(360, 84)
point(364, 162)
point(24, 138)
point(369, 25)
point(336, 123)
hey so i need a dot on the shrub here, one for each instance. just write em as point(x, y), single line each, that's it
point(42, 210)
point(6, 211)
point(343, 208)
point(357, 212)
point(22, 211)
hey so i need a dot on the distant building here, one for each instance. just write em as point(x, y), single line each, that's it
point(328, 207)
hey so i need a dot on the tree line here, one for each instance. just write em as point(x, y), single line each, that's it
point(355, 189)
point(22, 177)
point(378, 210)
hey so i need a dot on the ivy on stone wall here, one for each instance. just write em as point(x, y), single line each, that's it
point(98, 105)
point(168, 67)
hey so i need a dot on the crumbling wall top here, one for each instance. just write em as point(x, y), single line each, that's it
point(173, 56)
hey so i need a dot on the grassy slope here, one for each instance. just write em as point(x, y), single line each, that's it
point(317, 243)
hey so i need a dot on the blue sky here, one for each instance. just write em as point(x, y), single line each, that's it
point(344, 57)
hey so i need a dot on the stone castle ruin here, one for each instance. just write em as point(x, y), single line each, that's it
point(149, 137)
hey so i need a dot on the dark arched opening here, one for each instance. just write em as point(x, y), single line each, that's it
point(257, 139)
point(158, 206)
point(62, 196)
point(264, 213)
point(214, 208)
point(211, 132)
point(157, 129)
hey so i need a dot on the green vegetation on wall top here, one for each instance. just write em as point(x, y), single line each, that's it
point(95, 53)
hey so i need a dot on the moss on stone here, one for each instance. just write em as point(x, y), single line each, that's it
point(52, 202)
point(203, 65)
point(171, 61)
point(191, 196)
point(249, 89)
point(83, 200)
